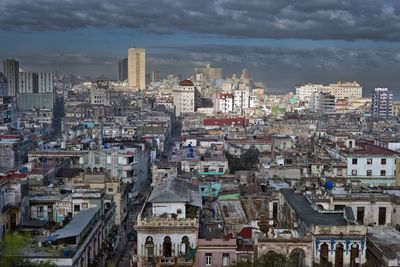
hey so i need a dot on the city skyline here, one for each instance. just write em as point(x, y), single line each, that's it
point(282, 44)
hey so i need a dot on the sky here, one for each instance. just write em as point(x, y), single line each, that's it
point(282, 43)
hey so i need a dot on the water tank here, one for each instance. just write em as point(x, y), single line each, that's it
point(329, 185)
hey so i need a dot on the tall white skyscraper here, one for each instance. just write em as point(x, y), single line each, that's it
point(11, 71)
point(137, 68)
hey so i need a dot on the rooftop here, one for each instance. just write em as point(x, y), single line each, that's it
point(386, 242)
point(77, 225)
point(176, 191)
point(373, 150)
point(308, 214)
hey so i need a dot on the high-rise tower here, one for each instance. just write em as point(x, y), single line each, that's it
point(11, 71)
point(137, 68)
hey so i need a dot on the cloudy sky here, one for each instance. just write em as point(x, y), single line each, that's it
point(282, 43)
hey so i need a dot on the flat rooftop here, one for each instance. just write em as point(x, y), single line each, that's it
point(308, 214)
point(386, 241)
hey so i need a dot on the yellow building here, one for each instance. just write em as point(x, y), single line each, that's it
point(137, 68)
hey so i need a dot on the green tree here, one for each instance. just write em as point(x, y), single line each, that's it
point(249, 160)
point(11, 248)
point(271, 259)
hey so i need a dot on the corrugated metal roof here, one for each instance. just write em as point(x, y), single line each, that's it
point(76, 226)
point(176, 191)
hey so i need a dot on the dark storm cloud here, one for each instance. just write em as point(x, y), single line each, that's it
point(277, 67)
point(311, 19)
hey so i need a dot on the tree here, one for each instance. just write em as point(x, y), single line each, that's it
point(249, 160)
point(10, 251)
point(268, 260)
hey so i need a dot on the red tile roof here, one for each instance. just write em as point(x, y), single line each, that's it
point(225, 95)
point(238, 121)
point(373, 150)
point(14, 175)
point(186, 83)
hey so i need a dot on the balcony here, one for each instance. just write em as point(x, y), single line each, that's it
point(185, 261)
point(167, 261)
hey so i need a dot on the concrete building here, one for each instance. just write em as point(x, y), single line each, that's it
point(35, 101)
point(7, 110)
point(395, 111)
point(28, 83)
point(32, 82)
point(186, 98)
point(137, 68)
point(382, 102)
point(241, 100)
point(100, 93)
point(3, 85)
point(51, 208)
point(78, 243)
point(45, 82)
point(216, 252)
point(130, 164)
point(340, 90)
point(323, 238)
point(322, 103)
point(13, 152)
point(168, 225)
point(210, 73)
point(155, 76)
point(36, 91)
point(224, 103)
point(372, 165)
point(3, 203)
point(123, 69)
point(11, 71)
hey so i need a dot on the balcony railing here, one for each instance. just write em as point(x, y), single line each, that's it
point(185, 261)
point(167, 261)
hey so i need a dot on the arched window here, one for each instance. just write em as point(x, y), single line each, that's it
point(298, 257)
point(149, 247)
point(354, 253)
point(339, 255)
point(185, 246)
point(167, 247)
point(324, 255)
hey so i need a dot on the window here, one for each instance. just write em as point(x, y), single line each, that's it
point(226, 260)
point(339, 207)
point(167, 247)
point(354, 161)
point(382, 216)
point(40, 211)
point(383, 173)
point(369, 161)
point(62, 212)
point(383, 161)
point(179, 211)
point(77, 208)
point(85, 206)
point(110, 189)
point(369, 172)
point(185, 246)
point(354, 172)
point(208, 259)
point(360, 215)
point(275, 210)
